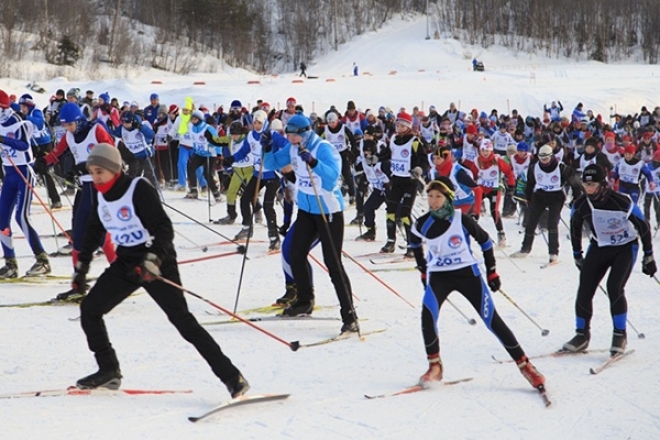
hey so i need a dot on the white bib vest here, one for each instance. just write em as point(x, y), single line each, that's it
point(121, 221)
point(450, 251)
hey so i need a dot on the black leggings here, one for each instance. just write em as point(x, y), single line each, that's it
point(268, 205)
point(619, 260)
point(117, 283)
point(309, 228)
point(474, 289)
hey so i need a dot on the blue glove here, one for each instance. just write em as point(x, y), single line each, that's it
point(266, 141)
point(307, 157)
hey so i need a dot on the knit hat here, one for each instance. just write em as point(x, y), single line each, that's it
point(523, 146)
point(298, 124)
point(260, 116)
point(27, 100)
point(105, 97)
point(4, 99)
point(173, 108)
point(593, 173)
point(332, 117)
point(198, 114)
point(276, 125)
point(442, 184)
point(404, 118)
point(105, 156)
point(545, 151)
point(630, 149)
point(236, 104)
point(471, 129)
point(486, 145)
point(70, 112)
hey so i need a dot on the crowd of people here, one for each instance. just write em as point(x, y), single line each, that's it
point(526, 166)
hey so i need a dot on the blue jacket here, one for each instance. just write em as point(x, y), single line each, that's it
point(41, 135)
point(328, 169)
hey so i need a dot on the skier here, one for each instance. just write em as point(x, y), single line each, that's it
point(338, 134)
point(80, 135)
point(628, 172)
point(468, 194)
point(303, 70)
point(130, 209)
point(205, 145)
point(488, 171)
point(269, 180)
point(615, 222)
point(317, 165)
point(546, 179)
point(136, 150)
point(377, 173)
point(241, 171)
point(17, 157)
point(452, 266)
point(407, 154)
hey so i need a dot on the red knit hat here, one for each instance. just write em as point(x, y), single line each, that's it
point(630, 149)
point(610, 135)
point(404, 118)
point(471, 129)
point(173, 108)
point(4, 99)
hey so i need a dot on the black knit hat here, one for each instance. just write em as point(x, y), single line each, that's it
point(593, 173)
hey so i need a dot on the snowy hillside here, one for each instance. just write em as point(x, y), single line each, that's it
point(42, 348)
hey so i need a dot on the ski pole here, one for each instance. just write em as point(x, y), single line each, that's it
point(333, 249)
point(544, 332)
point(255, 197)
point(240, 248)
point(656, 279)
point(294, 345)
point(366, 270)
point(639, 335)
point(322, 266)
point(209, 257)
point(470, 321)
point(510, 259)
point(50, 213)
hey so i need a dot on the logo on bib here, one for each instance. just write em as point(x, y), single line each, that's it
point(124, 214)
point(455, 241)
point(105, 214)
point(614, 223)
point(554, 179)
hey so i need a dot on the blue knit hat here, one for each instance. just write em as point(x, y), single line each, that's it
point(105, 96)
point(298, 124)
point(70, 112)
point(522, 146)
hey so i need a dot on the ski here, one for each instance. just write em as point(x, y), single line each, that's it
point(546, 265)
point(393, 260)
point(266, 309)
point(417, 388)
point(274, 318)
point(559, 353)
point(610, 361)
point(75, 391)
point(217, 243)
point(240, 401)
point(341, 337)
point(544, 395)
point(50, 302)
point(37, 279)
point(394, 269)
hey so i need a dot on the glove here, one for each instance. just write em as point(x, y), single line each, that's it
point(509, 191)
point(579, 261)
point(648, 266)
point(2, 139)
point(228, 161)
point(79, 281)
point(307, 157)
point(266, 141)
point(40, 166)
point(416, 173)
point(474, 216)
point(493, 280)
point(149, 269)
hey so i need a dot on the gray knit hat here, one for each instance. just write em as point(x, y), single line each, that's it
point(105, 156)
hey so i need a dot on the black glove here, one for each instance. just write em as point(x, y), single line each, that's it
point(228, 161)
point(307, 157)
point(493, 280)
point(2, 139)
point(509, 191)
point(648, 265)
point(579, 261)
point(474, 216)
point(40, 166)
point(79, 281)
point(266, 141)
point(149, 269)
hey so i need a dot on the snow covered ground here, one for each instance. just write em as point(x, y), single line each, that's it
point(41, 348)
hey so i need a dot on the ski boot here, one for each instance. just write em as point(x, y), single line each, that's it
point(530, 372)
point(192, 194)
point(368, 235)
point(580, 342)
point(237, 386)
point(243, 234)
point(10, 269)
point(228, 220)
point(357, 220)
point(110, 379)
point(434, 373)
point(388, 248)
point(289, 296)
point(274, 244)
point(40, 267)
point(299, 308)
point(619, 342)
point(501, 239)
